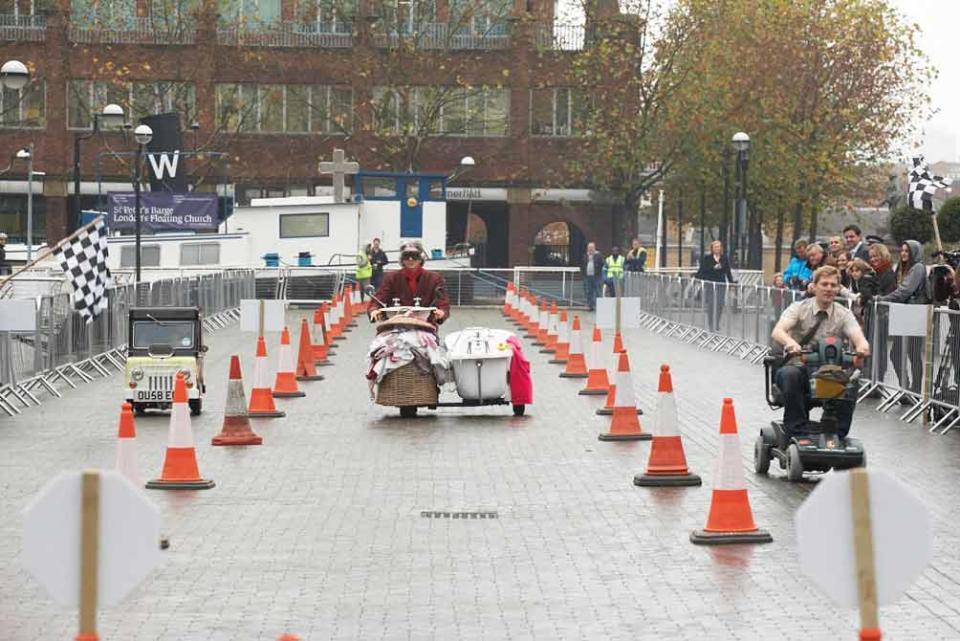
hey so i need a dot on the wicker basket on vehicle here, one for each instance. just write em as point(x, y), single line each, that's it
point(407, 386)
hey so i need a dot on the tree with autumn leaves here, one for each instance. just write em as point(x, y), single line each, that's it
point(826, 89)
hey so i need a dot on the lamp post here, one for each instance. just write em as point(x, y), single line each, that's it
point(27, 154)
point(466, 164)
point(112, 116)
point(741, 144)
point(143, 135)
point(724, 215)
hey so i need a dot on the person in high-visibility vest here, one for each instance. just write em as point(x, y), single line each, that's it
point(613, 266)
point(364, 270)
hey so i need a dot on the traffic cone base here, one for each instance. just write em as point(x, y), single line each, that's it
point(591, 391)
point(558, 361)
point(607, 436)
point(296, 394)
point(702, 537)
point(608, 411)
point(666, 480)
point(237, 439)
point(311, 377)
point(573, 375)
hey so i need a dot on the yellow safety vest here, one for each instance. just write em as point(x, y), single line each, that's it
point(615, 266)
point(364, 268)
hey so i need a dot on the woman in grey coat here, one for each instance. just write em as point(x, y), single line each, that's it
point(911, 290)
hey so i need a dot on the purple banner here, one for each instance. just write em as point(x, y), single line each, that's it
point(164, 211)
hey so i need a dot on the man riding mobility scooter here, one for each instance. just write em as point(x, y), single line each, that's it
point(814, 371)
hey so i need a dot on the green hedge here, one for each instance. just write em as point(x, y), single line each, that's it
point(948, 218)
point(908, 223)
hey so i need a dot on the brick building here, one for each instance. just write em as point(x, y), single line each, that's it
point(411, 86)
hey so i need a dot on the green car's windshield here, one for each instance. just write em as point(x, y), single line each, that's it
point(176, 334)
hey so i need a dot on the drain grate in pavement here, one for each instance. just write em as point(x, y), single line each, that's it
point(433, 514)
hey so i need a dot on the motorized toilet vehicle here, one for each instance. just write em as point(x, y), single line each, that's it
point(411, 363)
point(818, 447)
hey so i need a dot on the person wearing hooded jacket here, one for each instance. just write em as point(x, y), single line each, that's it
point(911, 290)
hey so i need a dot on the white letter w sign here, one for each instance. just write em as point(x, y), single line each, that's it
point(164, 164)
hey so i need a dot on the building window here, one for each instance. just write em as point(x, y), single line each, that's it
point(284, 108)
point(24, 108)
point(149, 256)
point(558, 111)
point(111, 14)
point(448, 111)
point(138, 99)
point(199, 254)
point(411, 17)
point(480, 17)
point(13, 216)
point(304, 225)
point(248, 14)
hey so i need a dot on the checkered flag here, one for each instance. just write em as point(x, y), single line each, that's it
point(84, 260)
point(923, 186)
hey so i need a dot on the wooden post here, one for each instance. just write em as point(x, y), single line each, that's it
point(863, 555)
point(89, 555)
point(928, 364)
point(262, 304)
point(616, 289)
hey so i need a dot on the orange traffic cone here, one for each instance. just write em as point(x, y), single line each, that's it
point(261, 396)
point(285, 385)
point(562, 351)
point(544, 321)
point(553, 330)
point(614, 363)
point(668, 463)
point(306, 358)
point(319, 338)
point(576, 366)
point(533, 322)
point(329, 319)
point(730, 519)
point(236, 428)
point(180, 471)
point(288, 637)
point(127, 446)
point(507, 308)
point(598, 384)
point(624, 424)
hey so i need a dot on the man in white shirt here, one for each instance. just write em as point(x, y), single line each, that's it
point(805, 322)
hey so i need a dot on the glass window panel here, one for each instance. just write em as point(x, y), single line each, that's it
point(541, 112)
point(319, 109)
point(149, 256)
point(78, 104)
point(407, 102)
point(497, 112)
point(562, 112)
point(271, 107)
point(147, 100)
point(579, 112)
point(298, 108)
point(429, 105)
point(304, 225)
point(341, 110)
point(454, 111)
point(231, 112)
point(106, 93)
point(436, 190)
point(385, 109)
point(377, 187)
point(474, 113)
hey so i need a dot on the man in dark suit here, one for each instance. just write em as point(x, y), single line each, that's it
point(715, 271)
point(592, 271)
point(855, 244)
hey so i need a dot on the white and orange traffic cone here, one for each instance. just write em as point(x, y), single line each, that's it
point(667, 465)
point(562, 352)
point(285, 385)
point(544, 324)
point(236, 428)
point(127, 446)
point(624, 424)
point(261, 396)
point(576, 365)
point(730, 519)
point(553, 330)
point(613, 361)
point(507, 308)
point(319, 338)
point(306, 357)
point(180, 470)
point(597, 382)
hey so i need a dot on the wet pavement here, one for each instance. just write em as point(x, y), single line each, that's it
point(320, 531)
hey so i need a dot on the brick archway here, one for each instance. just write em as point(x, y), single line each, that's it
point(558, 243)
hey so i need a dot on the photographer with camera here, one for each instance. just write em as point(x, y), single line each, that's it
point(797, 274)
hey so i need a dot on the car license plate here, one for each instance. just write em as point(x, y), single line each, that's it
point(154, 395)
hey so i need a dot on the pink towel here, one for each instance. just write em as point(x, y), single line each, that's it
point(521, 385)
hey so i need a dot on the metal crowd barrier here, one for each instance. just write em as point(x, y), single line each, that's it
point(914, 376)
point(66, 350)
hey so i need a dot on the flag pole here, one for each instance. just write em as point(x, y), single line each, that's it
point(45, 253)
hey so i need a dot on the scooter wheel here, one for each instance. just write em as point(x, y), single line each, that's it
point(408, 412)
point(794, 464)
point(761, 456)
point(518, 410)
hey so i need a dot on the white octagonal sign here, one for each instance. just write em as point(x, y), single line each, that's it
point(128, 547)
point(902, 537)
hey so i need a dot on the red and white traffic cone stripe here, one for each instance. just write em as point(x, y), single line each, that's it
point(127, 446)
point(562, 351)
point(597, 382)
point(180, 469)
point(236, 428)
point(576, 364)
point(285, 385)
point(261, 396)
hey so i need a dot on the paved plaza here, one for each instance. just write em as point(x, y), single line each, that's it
point(320, 531)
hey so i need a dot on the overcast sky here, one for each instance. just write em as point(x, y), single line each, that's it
point(938, 21)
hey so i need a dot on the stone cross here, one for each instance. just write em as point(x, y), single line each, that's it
point(339, 168)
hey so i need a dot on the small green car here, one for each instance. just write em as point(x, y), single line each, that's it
point(162, 342)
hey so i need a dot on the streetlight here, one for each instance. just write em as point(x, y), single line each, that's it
point(14, 75)
point(111, 117)
point(143, 135)
point(26, 153)
point(741, 144)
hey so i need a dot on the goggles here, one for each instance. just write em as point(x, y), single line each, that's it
point(410, 254)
